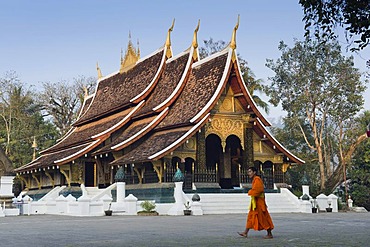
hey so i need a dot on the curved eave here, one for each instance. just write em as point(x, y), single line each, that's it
point(85, 105)
point(213, 101)
point(88, 107)
point(280, 147)
point(245, 93)
point(152, 84)
point(29, 165)
point(60, 140)
point(142, 132)
point(179, 141)
point(120, 123)
point(174, 95)
point(79, 153)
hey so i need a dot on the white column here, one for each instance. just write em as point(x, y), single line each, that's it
point(121, 191)
point(178, 207)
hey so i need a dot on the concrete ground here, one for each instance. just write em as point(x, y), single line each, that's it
point(293, 229)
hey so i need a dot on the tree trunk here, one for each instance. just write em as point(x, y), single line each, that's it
point(322, 167)
point(334, 180)
point(337, 177)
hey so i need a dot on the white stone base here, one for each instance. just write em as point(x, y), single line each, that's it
point(359, 209)
point(11, 211)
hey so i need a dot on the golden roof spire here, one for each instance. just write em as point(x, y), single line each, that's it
point(34, 146)
point(138, 48)
point(131, 56)
point(168, 40)
point(99, 71)
point(195, 42)
point(86, 91)
point(121, 56)
point(233, 37)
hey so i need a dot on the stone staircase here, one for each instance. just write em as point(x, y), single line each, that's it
point(93, 191)
point(239, 203)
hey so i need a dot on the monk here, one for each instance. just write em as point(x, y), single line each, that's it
point(258, 216)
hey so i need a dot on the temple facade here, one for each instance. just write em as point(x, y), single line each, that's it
point(161, 113)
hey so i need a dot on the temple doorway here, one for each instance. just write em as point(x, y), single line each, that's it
point(234, 152)
point(268, 174)
point(89, 174)
point(213, 156)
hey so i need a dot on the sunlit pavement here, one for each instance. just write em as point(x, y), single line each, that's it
point(322, 229)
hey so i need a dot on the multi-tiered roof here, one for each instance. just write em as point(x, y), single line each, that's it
point(153, 105)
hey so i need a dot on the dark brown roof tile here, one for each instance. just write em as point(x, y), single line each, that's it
point(84, 133)
point(201, 86)
point(116, 91)
point(152, 145)
point(167, 83)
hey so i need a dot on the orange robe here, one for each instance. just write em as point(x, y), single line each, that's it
point(259, 218)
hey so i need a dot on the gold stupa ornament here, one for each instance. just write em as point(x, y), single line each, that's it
point(130, 58)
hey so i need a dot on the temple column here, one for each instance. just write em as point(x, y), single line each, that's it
point(201, 149)
point(248, 156)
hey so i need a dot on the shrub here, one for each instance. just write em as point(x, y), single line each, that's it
point(148, 206)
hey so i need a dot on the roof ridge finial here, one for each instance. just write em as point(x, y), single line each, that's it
point(138, 49)
point(86, 91)
point(121, 55)
point(195, 39)
point(168, 40)
point(99, 71)
point(233, 37)
point(129, 35)
point(195, 43)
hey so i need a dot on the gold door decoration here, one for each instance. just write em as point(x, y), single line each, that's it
point(223, 127)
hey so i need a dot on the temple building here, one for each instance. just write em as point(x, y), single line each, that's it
point(161, 113)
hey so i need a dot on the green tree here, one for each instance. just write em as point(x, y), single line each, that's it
point(21, 121)
point(292, 138)
point(62, 100)
point(317, 87)
point(359, 170)
point(253, 85)
point(324, 17)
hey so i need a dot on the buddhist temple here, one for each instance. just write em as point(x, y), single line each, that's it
point(161, 113)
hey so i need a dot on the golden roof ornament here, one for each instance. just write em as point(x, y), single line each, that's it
point(131, 57)
point(168, 41)
point(195, 42)
point(99, 71)
point(86, 91)
point(138, 48)
point(233, 37)
point(34, 146)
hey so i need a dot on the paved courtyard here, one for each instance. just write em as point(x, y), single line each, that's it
point(323, 229)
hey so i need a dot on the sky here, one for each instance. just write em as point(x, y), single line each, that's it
point(51, 41)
